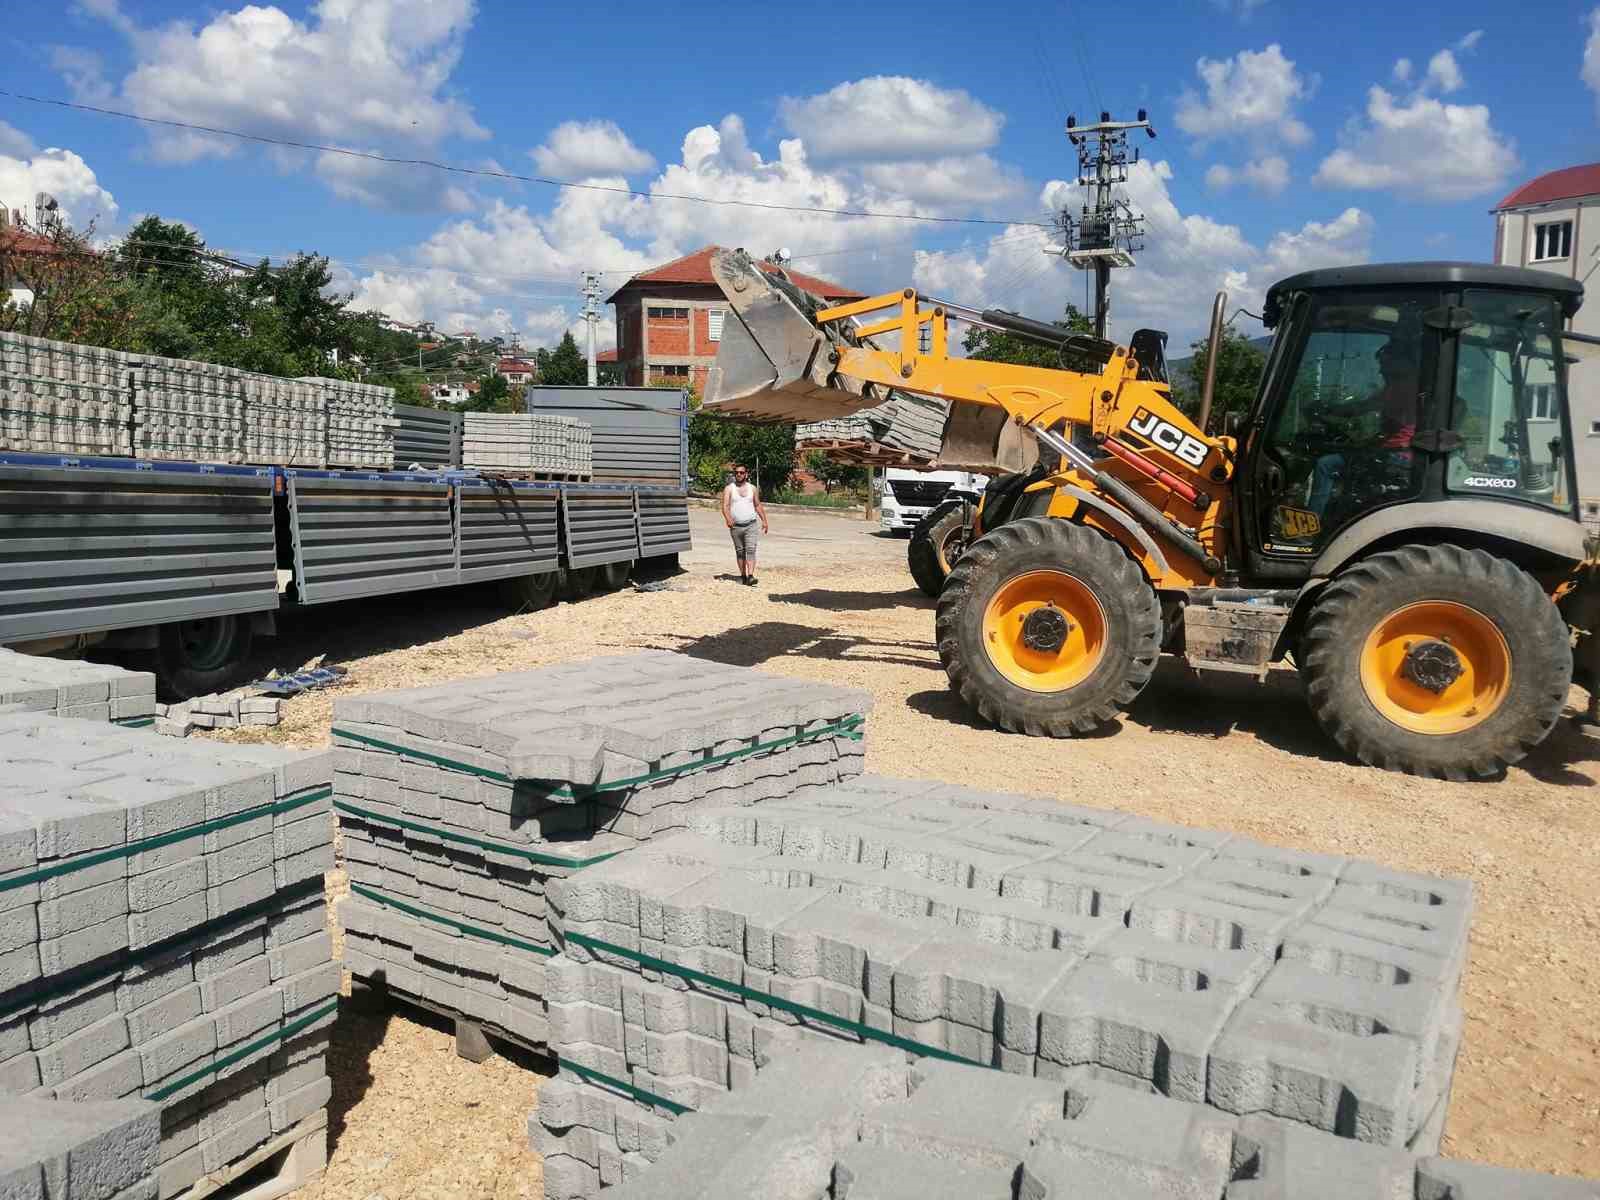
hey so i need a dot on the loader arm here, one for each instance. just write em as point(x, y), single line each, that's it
point(1111, 432)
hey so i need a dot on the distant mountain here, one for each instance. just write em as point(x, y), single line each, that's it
point(1178, 369)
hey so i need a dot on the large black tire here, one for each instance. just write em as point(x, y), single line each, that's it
point(530, 593)
point(1505, 629)
point(614, 575)
point(579, 583)
point(1129, 617)
point(196, 658)
point(935, 544)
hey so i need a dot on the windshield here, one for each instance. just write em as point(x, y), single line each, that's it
point(1509, 410)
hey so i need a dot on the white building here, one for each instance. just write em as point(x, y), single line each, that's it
point(450, 393)
point(1552, 223)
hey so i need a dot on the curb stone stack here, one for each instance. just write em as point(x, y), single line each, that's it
point(860, 1123)
point(909, 424)
point(66, 687)
point(1039, 938)
point(51, 1150)
point(526, 442)
point(163, 933)
point(459, 805)
point(361, 422)
point(62, 398)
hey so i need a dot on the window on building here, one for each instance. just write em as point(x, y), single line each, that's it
point(714, 324)
point(671, 370)
point(1542, 402)
point(1553, 239)
point(669, 314)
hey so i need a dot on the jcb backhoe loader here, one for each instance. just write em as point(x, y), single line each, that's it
point(1396, 513)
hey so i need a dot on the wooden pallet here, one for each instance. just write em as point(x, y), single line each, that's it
point(495, 474)
point(292, 1160)
point(864, 453)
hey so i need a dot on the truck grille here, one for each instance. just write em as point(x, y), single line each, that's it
point(924, 493)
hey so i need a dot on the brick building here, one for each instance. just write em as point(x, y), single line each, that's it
point(669, 320)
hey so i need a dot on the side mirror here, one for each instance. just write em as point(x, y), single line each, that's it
point(1232, 423)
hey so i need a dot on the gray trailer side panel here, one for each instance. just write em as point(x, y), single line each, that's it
point(640, 435)
point(358, 537)
point(503, 531)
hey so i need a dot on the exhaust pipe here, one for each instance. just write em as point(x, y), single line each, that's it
point(1218, 307)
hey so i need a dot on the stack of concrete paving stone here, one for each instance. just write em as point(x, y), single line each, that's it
point(62, 398)
point(460, 804)
point(527, 442)
point(163, 933)
point(360, 423)
point(1027, 935)
point(240, 708)
point(285, 422)
point(52, 1150)
point(71, 688)
point(188, 411)
point(860, 1123)
point(906, 424)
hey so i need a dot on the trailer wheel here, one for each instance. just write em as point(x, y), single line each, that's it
point(1048, 628)
point(614, 575)
point(195, 658)
point(580, 583)
point(530, 593)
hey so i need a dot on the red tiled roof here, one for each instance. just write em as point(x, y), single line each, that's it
point(606, 356)
point(696, 268)
point(21, 241)
point(1565, 184)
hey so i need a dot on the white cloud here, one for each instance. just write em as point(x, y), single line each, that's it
point(965, 183)
point(1345, 239)
point(1402, 70)
point(1250, 96)
point(391, 186)
point(1269, 175)
point(63, 175)
point(584, 149)
point(890, 118)
point(14, 143)
point(1420, 147)
point(1469, 41)
point(1590, 73)
point(1444, 73)
point(354, 73)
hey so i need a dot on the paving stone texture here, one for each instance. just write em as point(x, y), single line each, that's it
point(825, 1119)
point(163, 932)
point(65, 398)
point(55, 1150)
point(1027, 935)
point(458, 805)
point(67, 687)
point(527, 442)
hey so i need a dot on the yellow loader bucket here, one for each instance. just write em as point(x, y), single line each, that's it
point(773, 362)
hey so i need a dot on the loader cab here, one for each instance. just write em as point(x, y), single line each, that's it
point(1399, 384)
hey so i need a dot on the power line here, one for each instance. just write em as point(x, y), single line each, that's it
point(484, 172)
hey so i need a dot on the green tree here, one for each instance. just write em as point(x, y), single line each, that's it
point(165, 249)
point(493, 391)
point(715, 443)
point(565, 366)
point(834, 474)
point(994, 345)
point(1239, 367)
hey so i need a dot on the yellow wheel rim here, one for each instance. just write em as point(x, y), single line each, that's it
point(1049, 667)
point(1480, 654)
point(942, 548)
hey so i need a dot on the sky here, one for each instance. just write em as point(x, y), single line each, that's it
point(1290, 135)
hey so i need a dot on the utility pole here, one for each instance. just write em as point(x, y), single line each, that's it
point(1107, 230)
point(591, 318)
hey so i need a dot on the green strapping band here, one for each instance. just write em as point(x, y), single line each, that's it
point(278, 1035)
point(847, 727)
point(83, 862)
point(637, 1093)
point(791, 1006)
point(476, 931)
point(450, 835)
point(133, 722)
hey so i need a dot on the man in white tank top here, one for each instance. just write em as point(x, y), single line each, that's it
point(743, 511)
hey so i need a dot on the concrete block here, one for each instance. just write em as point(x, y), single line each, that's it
point(869, 1172)
point(92, 1151)
point(1278, 1160)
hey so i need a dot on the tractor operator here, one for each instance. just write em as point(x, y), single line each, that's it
point(1397, 401)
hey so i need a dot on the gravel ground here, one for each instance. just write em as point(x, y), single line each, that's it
point(835, 603)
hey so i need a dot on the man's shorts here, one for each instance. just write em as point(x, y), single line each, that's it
point(746, 538)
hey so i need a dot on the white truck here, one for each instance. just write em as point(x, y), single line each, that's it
point(908, 496)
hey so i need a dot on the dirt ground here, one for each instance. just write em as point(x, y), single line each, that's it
point(835, 603)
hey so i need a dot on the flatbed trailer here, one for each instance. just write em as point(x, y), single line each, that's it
point(192, 560)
